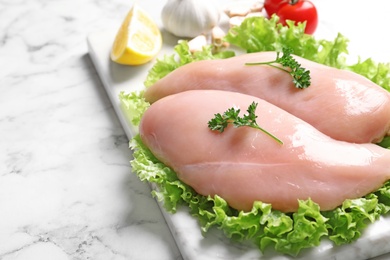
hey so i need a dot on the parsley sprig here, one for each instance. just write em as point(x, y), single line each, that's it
point(301, 76)
point(231, 116)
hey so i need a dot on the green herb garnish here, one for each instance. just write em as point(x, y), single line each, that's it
point(301, 76)
point(231, 116)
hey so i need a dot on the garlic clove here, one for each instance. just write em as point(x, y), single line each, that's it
point(197, 43)
point(236, 21)
point(257, 7)
point(238, 11)
point(217, 35)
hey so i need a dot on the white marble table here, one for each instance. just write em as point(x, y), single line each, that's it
point(65, 187)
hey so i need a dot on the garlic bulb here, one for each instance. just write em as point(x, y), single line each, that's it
point(189, 18)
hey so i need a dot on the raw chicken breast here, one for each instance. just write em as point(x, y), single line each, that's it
point(339, 103)
point(243, 165)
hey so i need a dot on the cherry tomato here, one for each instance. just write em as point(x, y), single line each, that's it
point(271, 6)
point(299, 11)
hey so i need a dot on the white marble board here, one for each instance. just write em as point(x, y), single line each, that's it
point(116, 78)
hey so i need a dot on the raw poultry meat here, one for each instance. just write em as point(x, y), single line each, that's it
point(339, 103)
point(243, 164)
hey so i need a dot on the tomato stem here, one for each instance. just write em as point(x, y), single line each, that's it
point(293, 2)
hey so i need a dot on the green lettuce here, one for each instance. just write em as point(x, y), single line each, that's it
point(182, 56)
point(287, 233)
point(262, 34)
point(133, 105)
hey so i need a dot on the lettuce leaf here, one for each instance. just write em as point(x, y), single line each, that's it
point(181, 57)
point(262, 34)
point(385, 143)
point(287, 233)
point(134, 105)
point(378, 73)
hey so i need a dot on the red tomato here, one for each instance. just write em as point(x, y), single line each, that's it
point(271, 6)
point(299, 11)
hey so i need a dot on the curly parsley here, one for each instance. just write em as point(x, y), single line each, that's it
point(301, 76)
point(231, 116)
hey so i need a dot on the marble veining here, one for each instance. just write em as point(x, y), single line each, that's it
point(66, 191)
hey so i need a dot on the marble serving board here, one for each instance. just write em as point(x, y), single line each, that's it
point(193, 245)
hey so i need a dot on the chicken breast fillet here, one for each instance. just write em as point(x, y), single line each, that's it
point(339, 103)
point(243, 165)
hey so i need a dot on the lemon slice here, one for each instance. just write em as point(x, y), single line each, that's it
point(138, 39)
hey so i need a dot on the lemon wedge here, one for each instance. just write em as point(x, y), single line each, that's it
point(138, 40)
